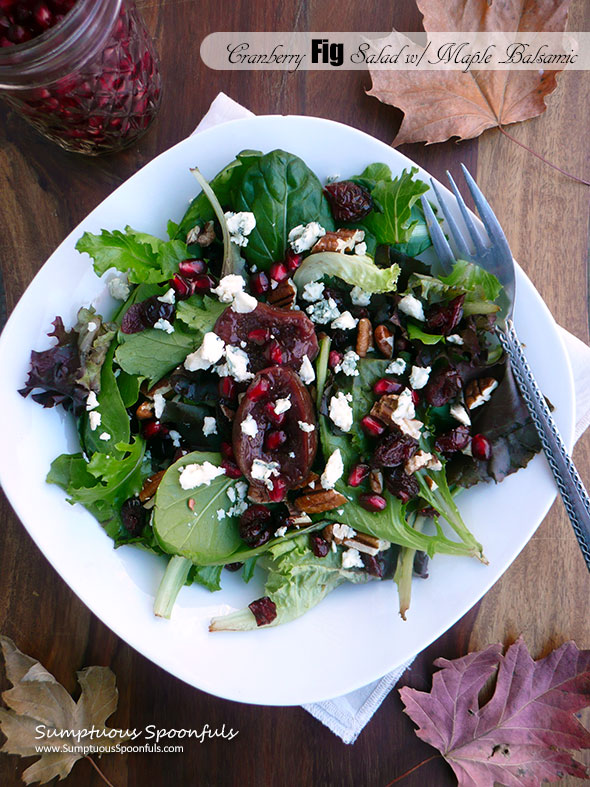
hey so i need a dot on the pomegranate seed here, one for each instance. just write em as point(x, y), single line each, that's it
point(191, 268)
point(372, 502)
point(231, 469)
point(481, 448)
point(152, 429)
point(279, 488)
point(274, 439)
point(183, 288)
point(227, 450)
point(274, 352)
point(415, 397)
point(278, 271)
point(334, 358)
point(385, 386)
point(293, 259)
point(372, 426)
point(204, 283)
point(319, 546)
point(275, 418)
point(258, 390)
point(227, 388)
point(259, 283)
point(43, 16)
point(259, 336)
point(358, 474)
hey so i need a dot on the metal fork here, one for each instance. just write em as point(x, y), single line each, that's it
point(493, 253)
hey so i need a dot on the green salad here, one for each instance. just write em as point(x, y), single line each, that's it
point(286, 386)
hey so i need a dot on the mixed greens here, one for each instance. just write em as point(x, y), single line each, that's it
point(285, 385)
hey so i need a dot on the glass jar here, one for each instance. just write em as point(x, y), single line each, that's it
point(91, 82)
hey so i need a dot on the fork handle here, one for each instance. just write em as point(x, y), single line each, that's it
point(569, 483)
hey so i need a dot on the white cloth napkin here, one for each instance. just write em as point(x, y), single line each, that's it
point(346, 716)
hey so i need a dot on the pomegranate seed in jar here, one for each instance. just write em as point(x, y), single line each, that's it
point(231, 469)
point(385, 386)
point(43, 16)
point(191, 268)
point(372, 502)
point(372, 426)
point(274, 439)
point(481, 448)
point(259, 283)
point(278, 491)
point(259, 336)
point(334, 358)
point(293, 260)
point(278, 271)
point(257, 391)
point(183, 288)
point(318, 544)
point(358, 474)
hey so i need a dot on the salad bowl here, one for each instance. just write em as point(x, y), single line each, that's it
point(353, 637)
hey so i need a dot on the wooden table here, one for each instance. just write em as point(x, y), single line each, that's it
point(545, 593)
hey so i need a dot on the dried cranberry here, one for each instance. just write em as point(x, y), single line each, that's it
point(372, 426)
point(372, 502)
point(264, 610)
point(133, 516)
point(233, 566)
point(255, 525)
point(191, 268)
point(154, 309)
point(400, 484)
point(385, 386)
point(455, 440)
point(318, 544)
point(231, 469)
point(348, 200)
point(444, 317)
point(132, 321)
point(374, 565)
point(481, 448)
point(358, 474)
point(394, 449)
point(443, 386)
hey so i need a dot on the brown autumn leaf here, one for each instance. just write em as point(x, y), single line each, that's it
point(36, 698)
point(525, 735)
point(438, 105)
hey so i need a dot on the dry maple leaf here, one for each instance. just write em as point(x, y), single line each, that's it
point(438, 105)
point(525, 733)
point(36, 698)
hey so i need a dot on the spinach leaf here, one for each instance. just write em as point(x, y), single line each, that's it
point(297, 582)
point(197, 533)
point(153, 353)
point(282, 192)
point(114, 419)
point(224, 184)
point(143, 257)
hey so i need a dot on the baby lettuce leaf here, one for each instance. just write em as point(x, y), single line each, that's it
point(114, 419)
point(104, 483)
point(224, 184)
point(207, 576)
point(355, 269)
point(506, 423)
point(282, 192)
point(481, 288)
point(415, 332)
point(153, 353)
point(297, 581)
point(200, 313)
point(196, 534)
point(94, 340)
point(143, 257)
point(419, 239)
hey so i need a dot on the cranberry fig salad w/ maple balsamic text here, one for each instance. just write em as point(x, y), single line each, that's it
point(285, 385)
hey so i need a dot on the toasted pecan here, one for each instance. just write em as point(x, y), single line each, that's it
point(341, 240)
point(384, 340)
point(364, 337)
point(284, 294)
point(321, 500)
point(150, 485)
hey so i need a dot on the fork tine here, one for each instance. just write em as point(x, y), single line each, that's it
point(490, 221)
point(440, 243)
point(462, 247)
point(480, 249)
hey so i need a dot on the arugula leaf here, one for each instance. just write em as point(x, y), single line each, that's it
point(224, 184)
point(114, 418)
point(297, 582)
point(198, 533)
point(153, 353)
point(391, 220)
point(200, 312)
point(355, 269)
point(143, 257)
point(282, 192)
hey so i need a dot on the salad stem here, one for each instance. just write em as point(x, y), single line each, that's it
point(173, 579)
point(404, 571)
point(321, 368)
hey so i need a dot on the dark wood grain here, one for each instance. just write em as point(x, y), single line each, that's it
point(46, 192)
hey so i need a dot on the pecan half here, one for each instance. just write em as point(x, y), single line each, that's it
point(376, 481)
point(207, 236)
point(145, 410)
point(150, 485)
point(364, 337)
point(193, 234)
point(309, 482)
point(284, 294)
point(370, 545)
point(384, 340)
point(340, 241)
point(322, 500)
point(258, 494)
point(479, 391)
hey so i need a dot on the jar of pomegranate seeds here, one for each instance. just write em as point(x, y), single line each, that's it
point(83, 72)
